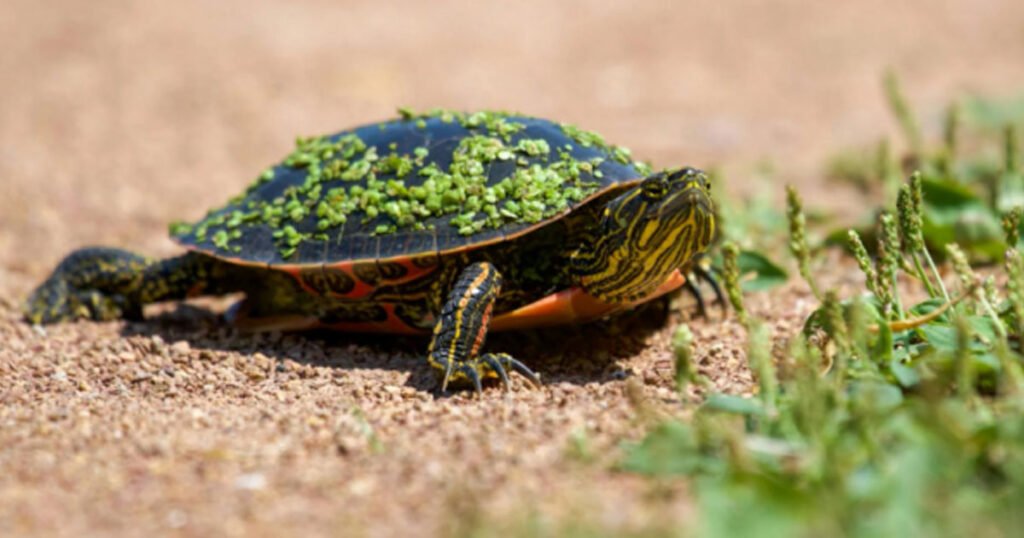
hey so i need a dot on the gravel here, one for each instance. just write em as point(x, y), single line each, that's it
point(126, 116)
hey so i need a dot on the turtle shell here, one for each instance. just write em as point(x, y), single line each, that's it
point(423, 183)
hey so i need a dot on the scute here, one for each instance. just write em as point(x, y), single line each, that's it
point(243, 232)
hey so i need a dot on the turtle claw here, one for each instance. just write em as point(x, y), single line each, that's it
point(708, 275)
point(55, 301)
point(701, 273)
point(462, 328)
point(474, 371)
point(501, 362)
point(101, 307)
point(702, 310)
point(96, 283)
point(474, 377)
point(495, 364)
point(462, 372)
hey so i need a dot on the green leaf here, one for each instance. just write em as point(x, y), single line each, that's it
point(928, 306)
point(874, 396)
point(984, 327)
point(733, 404)
point(669, 449)
point(1011, 191)
point(883, 345)
point(954, 214)
point(758, 273)
point(767, 509)
point(986, 363)
point(906, 376)
point(941, 336)
point(993, 113)
point(946, 194)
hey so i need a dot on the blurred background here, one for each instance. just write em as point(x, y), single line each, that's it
point(119, 116)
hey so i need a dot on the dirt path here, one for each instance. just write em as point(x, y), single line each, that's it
point(134, 114)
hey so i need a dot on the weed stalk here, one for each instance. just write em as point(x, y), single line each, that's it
point(917, 212)
point(910, 229)
point(798, 238)
point(731, 276)
point(900, 108)
point(969, 279)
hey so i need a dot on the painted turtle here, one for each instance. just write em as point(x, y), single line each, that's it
point(445, 223)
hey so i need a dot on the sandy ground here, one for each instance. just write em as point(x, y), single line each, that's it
point(121, 116)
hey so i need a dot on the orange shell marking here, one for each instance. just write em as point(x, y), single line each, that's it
point(565, 307)
point(573, 306)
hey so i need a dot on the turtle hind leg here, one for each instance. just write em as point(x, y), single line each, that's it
point(106, 283)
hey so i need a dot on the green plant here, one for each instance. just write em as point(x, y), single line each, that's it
point(752, 225)
point(879, 419)
point(970, 178)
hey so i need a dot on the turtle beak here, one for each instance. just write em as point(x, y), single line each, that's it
point(689, 196)
point(692, 202)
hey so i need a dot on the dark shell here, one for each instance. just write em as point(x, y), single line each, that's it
point(305, 211)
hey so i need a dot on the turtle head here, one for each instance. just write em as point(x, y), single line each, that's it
point(645, 234)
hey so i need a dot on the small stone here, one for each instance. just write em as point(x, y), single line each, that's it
point(262, 361)
point(255, 374)
point(251, 482)
point(176, 519)
point(362, 486)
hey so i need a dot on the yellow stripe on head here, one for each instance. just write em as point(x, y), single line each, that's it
point(645, 234)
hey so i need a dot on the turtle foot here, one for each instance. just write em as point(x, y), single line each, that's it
point(55, 301)
point(489, 365)
point(700, 272)
point(91, 283)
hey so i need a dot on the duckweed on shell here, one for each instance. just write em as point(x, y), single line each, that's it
point(468, 171)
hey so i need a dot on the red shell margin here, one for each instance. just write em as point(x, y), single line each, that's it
point(573, 305)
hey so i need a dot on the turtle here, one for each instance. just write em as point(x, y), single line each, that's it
point(443, 223)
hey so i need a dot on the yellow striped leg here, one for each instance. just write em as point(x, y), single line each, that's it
point(462, 329)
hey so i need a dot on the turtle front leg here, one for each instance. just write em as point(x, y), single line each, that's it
point(462, 328)
point(107, 283)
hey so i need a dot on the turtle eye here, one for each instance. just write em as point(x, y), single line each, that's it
point(654, 188)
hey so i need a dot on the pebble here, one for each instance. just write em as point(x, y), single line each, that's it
point(251, 482)
point(177, 519)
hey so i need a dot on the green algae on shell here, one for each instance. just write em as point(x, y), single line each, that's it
point(467, 171)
